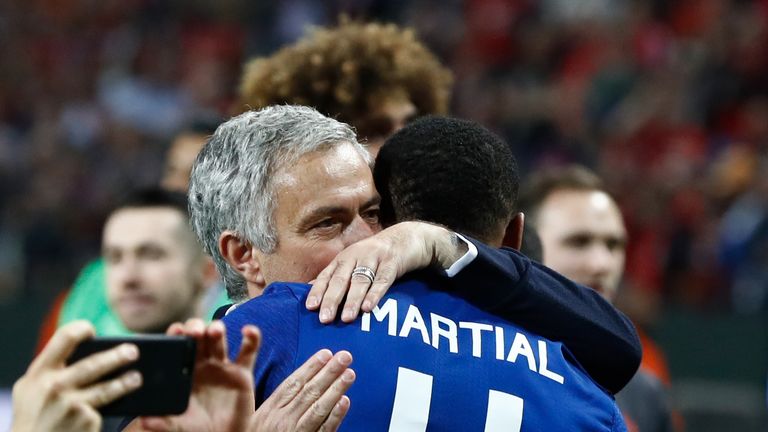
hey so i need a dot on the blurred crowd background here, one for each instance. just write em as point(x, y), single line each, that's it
point(667, 100)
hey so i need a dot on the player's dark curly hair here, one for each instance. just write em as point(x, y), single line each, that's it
point(344, 71)
point(448, 171)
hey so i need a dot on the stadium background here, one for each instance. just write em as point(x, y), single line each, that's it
point(667, 100)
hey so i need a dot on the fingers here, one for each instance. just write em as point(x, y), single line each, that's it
point(249, 347)
point(91, 368)
point(62, 344)
point(288, 389)
point(195, 328)
point(338, 413)
point(106, 392)
point(358, 289)
point(330, 408)
point(385, 277)
point(342, 282)
point(336, 289)
point(319, 286)
point(376, 253)
point(175, 329)
point(317, 387)
point(215, 340)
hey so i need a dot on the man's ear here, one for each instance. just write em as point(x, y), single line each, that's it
point(513, 235)
point(240, 255)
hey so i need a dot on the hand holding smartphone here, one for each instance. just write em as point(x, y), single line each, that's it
point(166, 364)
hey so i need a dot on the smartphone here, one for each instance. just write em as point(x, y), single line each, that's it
point(166, 364)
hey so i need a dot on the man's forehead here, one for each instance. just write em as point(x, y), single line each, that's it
point(342, 152)
point(143, 222)
point(336, 177)
point(581, 210)
point(157, 213)
point(341, 198)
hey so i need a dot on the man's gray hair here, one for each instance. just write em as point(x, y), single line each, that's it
point(231, 184)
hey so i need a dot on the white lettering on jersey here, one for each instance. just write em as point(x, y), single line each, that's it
point(387, 310)
point(414, 320)
point(477, 337)
point(543, 364)
point(440, 327)
point(521, 346)
point(449, 333)
point(499, 343)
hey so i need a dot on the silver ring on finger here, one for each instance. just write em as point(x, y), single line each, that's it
point(366, 272)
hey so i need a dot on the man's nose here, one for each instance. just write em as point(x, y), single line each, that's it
point(127, 272)
point(358, 230)
point(600, 258)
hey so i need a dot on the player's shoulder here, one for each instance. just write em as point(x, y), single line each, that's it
point(426, 280)
point(277, 297)
point(292, 289)
point(279, 292)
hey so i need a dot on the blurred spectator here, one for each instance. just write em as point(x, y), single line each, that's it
point(87, 298)
point(744, 244)
point(644, 89)
point(182, 153)
point(59, 116)
point(155, 269)
point(583, 237)
point(374, 77)
point(672, 94)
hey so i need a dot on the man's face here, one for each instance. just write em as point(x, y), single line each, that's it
point(324, 202)
point(583, 237)
point(387, 116)
point(154, 273)
point(179, 160)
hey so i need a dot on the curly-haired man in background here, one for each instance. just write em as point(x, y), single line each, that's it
point(375, 77)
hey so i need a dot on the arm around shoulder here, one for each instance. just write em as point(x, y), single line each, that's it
point(602, 339)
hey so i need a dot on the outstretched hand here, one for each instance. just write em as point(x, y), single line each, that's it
point(391, 253)
point(222, 390)
point(54, 396)
point(222, 399)
point(310, 399)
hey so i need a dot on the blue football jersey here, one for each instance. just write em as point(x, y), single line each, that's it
point(426, 360)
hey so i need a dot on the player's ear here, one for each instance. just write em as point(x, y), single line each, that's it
point(513, 235)
point(242, 257)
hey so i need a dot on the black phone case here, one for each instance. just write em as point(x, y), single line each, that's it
point(166, 364)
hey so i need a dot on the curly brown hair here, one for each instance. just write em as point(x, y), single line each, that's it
point(345, 71)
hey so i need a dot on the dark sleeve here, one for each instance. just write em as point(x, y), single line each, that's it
point(602, 339)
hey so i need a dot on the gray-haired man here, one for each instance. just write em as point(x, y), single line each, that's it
point(277, 193)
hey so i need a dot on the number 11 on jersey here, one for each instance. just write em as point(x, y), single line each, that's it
point(413, 396)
